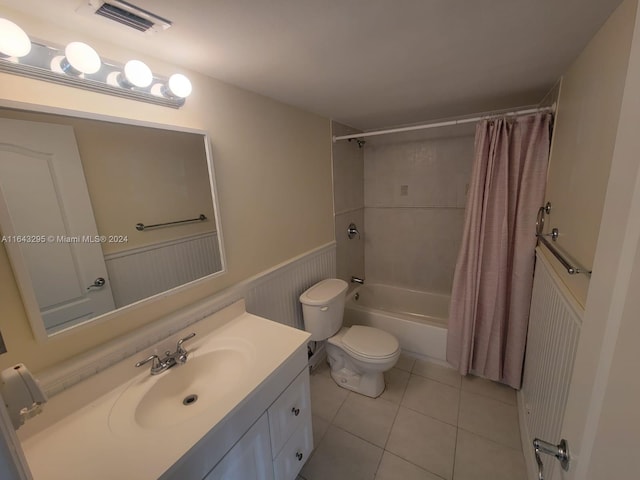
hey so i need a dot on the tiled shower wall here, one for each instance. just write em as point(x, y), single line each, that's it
point(348, 198)
point(415, 188)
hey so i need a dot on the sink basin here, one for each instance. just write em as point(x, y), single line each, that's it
point(184, 391)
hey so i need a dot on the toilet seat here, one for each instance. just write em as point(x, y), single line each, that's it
point(369, 342)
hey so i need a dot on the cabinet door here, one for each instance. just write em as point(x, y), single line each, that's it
point(249, 459)
point(289, 412)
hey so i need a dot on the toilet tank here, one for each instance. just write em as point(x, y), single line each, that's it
point(323, 308)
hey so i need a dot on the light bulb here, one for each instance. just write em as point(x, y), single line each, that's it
point(80, 58)
point(13, 41)
point(179, 86)
point(137, 74)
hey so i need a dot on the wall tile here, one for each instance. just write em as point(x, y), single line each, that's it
point(348, 196)
point(436, 173)
point(416, 248)
point(348, 165)
point(350, 252)
point(415, 192)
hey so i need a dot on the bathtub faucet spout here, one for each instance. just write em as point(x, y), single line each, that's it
point(357, 280)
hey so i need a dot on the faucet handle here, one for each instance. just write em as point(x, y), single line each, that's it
point(156, 365)
point(179, 348)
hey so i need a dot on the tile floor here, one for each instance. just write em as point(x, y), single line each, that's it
point(429, 424)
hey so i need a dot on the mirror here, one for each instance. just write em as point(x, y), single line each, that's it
point(97, 216)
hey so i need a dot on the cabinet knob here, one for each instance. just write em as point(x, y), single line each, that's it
point(299, 456)
point(295, 411)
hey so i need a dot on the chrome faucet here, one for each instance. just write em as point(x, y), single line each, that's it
point(357, 280)
point(159, 365)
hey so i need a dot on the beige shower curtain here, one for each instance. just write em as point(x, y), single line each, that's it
point(494, 273)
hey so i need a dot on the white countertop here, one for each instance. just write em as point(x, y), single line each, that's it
point(73, 438)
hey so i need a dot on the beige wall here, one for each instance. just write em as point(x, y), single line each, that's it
point(136, 175)
point(273, 173)
point(583, 142)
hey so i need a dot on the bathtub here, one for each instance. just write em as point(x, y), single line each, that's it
point(417, 319)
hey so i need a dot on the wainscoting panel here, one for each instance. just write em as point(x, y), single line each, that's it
point(142, 272)
point(275, 296)
point(554, 329)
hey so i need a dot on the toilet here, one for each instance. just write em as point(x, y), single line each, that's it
point(358, 355)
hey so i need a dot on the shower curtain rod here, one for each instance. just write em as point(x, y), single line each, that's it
point(447, 123)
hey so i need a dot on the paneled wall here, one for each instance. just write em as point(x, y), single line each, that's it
point(415, 193)
point(139, 273)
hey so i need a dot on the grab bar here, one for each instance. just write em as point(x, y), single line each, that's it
point(142, 226)
point(571, 269)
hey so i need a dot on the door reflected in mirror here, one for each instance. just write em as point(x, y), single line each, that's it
point(97, 216)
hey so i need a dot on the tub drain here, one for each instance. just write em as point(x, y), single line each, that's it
point(190, 399)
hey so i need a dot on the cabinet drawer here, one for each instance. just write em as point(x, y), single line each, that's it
point(294, 454)
point(290, 411)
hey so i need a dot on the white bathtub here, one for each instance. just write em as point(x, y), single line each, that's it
point(417, 319)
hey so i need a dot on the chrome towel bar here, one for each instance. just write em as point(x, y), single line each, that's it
point(142, 226)
point(571, 269)
point(555, 233)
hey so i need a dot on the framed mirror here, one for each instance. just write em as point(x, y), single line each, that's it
point(97, 215)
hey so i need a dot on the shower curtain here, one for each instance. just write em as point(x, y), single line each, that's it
point(494, 273)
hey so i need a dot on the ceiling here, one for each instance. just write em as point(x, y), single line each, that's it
point(365, 63)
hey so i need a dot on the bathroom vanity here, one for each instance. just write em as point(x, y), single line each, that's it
point(239, 407)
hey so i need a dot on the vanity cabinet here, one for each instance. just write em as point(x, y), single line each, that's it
point(248, 458)
point(290, 428)
point(252, 424)
point(278, 443)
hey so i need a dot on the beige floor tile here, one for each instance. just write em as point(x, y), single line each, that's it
point(437, 372)
point(395, 384)
point(405, 362)
point(432, 398)
point(495, 390)
point(423, 441)
point(326, 397)
point(368, 418)
point(490, 418)
point(320, 427)
point(342, 456)
point(480, 459)
point(393, 467)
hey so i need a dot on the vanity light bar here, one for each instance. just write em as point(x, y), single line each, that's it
point(78, 65)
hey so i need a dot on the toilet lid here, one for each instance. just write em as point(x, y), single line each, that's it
point(323, 292)
point(370, 342)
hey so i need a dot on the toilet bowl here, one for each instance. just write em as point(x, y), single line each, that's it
point(358, 355)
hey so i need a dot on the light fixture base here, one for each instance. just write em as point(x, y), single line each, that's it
point(37, 65)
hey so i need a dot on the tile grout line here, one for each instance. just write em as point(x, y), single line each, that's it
point(419, 413)
point(455, 446)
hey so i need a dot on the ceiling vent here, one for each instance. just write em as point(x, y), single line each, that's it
point(126, 14)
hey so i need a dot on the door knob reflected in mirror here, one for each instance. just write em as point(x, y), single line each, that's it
point(97, 283)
